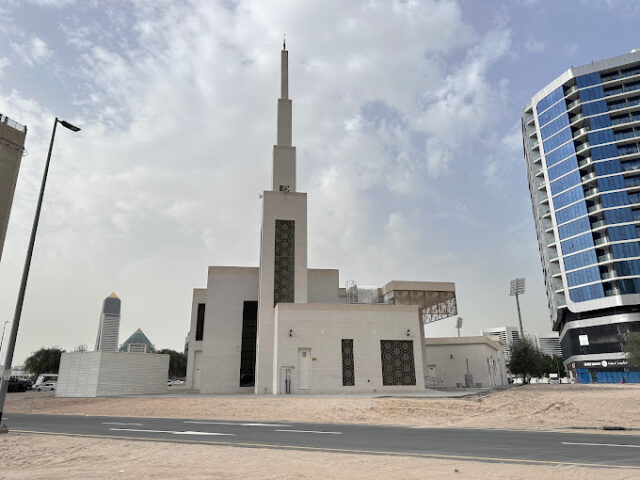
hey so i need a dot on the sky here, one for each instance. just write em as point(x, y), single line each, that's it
point(406, 123)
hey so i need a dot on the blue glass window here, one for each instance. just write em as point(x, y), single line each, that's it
point(565, 182)
point(603, 136)
point(554, 111)
point(569, 213)
point(561, 137)
point(615, 182)
point(601, 121)
point(619, 215)
point(632, 181)
point(591, 93)
point(580, 260)
point(588, 80)
point(630, 71)
point(628, 268)
point(562, 168)
point(624, 232)
point(568, 197)
point(620, 119)
point(558, 124)
point(627, 149)
point(586, 275)
point(549, 100)
point(607, 167)
point(589, 292)
point(594, 108)
point(574, 228)
point(614, 199)
point(560, 154)
point(629, 285)
point(606, 151)
point(578, 243)
point(630, 165)
point(625, 250)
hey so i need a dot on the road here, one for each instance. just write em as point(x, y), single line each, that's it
point(519, 446)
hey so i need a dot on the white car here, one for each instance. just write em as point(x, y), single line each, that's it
point(46, 387)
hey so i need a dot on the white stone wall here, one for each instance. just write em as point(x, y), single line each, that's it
point(446, 359)
point(227, 290)
point(321, 327)
point(199, 296)
point(91, 374)
point(323, 286)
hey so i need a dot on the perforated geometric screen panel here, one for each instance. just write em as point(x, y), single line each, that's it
point(348, 369)
point(283, 278)
point(398, 365)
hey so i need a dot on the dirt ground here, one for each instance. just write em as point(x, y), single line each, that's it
point(529, 407)
point(59, 457)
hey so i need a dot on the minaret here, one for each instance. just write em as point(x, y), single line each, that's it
point(284, 154)
point(283, 246)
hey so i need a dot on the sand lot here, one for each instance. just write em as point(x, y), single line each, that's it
point(529, 407)
point(60, 457)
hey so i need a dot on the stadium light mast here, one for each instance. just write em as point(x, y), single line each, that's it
point(517, 288)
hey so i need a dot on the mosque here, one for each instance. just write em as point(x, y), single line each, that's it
point(282, 327)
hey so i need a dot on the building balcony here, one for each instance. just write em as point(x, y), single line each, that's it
point(571, 90)
point(582, 147)
point(580, 132)
point(595, 208)
point(591, 191)
point(605, 258)
point(585, 162)
point(572, 105)
point(588, 176)
point(540, 172)
point(598, 224)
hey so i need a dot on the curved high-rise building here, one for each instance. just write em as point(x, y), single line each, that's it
point(581, 136)
point(109, 326)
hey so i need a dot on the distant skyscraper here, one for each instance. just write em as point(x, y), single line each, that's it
point(549, 343)
point(508, 335)
point(109, 327)
point(581, 137)
point(12, 136)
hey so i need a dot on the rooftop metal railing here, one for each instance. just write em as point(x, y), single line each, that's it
point(12, 123)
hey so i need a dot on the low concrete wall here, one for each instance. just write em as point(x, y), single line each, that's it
point(96, 374)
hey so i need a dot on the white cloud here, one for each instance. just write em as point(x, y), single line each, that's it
point(32, 51)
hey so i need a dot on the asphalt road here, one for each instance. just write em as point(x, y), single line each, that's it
point(474, 444)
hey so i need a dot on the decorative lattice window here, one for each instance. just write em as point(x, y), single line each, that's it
point(283, 278)
point(398, 365)
point(348, 369)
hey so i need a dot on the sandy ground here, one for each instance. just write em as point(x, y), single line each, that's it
point(528, 407)
point(59, 457)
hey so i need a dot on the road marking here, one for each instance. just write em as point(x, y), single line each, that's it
point(309, 431)
point(202, 422)
point(336, 450)
point(122, 423)
point(601, 444)
point(171, 431)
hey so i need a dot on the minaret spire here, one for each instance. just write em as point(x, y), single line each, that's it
point(284, 154)
point(284, 71)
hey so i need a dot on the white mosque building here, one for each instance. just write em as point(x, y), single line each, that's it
point(282, 327)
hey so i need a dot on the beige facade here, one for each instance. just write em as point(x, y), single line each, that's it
point(12, 137)
point(284, 328)
point(476, 362)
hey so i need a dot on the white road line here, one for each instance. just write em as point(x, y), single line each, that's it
point(202, 422)
point(122, 423)
point(172, 432)
point(309, 431)
point(601, 444)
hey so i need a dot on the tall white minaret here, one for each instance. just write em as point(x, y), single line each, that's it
point(283, 246)
point(284, 154)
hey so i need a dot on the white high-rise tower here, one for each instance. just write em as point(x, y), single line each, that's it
point(109, 326)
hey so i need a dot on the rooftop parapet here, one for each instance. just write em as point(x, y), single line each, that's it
point(12, 123)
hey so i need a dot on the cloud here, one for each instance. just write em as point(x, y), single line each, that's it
point(32, 51)
point(534, 45)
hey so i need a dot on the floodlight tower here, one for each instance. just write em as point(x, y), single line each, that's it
point(459, 325)
point(517, 288)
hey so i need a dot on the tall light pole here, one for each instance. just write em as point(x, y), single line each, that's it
point(4, 384)
point(459, 324)
point(2, 339)
point(517, 288)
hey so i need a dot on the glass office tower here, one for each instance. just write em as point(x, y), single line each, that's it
point(581, 136)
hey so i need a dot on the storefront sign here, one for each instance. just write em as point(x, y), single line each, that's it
point(617, 363)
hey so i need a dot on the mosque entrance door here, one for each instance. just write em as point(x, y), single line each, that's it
point(304, 368)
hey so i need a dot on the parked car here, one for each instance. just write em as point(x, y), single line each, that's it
point(553, 378)
point(46, 387)
point(17, 385)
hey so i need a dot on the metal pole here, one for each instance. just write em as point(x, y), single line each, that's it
point(4, 384)
point(2, 340)
point(520, 318)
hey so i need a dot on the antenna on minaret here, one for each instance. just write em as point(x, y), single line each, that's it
point(284, 41)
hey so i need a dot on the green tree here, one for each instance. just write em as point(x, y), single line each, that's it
point(632, 349)
point(525, 359)
point(45, 360)
point(551, 364)
point(177, 363)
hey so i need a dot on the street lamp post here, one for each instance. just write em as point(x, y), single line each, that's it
point(517, 288)
point(4, 384)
